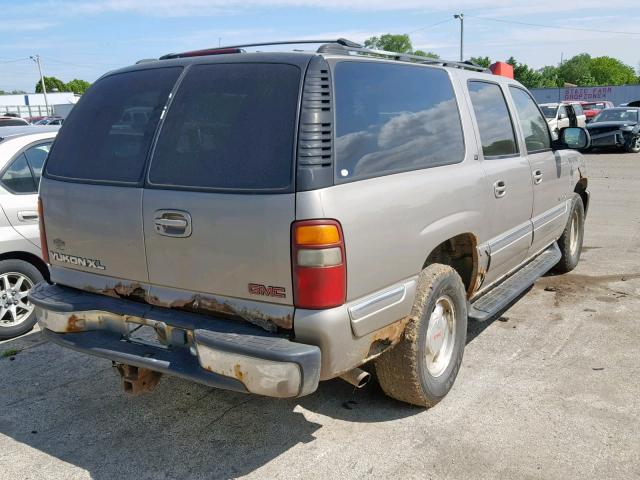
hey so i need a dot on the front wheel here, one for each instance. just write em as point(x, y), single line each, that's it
point(422, 367)
point(17, 315)
point(570, 242)
point(633, 146)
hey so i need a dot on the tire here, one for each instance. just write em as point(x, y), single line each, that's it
point(570, 242)
point(633, 145)
point(405, 372)
point(12, 271)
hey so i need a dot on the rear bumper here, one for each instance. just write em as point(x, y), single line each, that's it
point(215, 352)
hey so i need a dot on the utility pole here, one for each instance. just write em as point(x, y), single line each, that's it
point(36, 58)
point(460, 16)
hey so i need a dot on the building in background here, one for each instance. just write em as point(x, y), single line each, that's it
point(32, 105)
point(616, 94)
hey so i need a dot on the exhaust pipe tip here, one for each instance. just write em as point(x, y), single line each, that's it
point(356, 377)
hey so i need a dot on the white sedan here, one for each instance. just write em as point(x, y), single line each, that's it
point(23, 151)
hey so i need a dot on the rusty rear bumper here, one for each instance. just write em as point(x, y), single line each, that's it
point(216, 352)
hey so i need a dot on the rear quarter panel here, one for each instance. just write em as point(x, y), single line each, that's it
point(391, 223)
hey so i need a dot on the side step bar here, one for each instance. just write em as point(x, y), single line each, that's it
point(500, 297)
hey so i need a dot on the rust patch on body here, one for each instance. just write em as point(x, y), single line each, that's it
point(129, 291)
point(197, 303)
point(75, 324)
point(386, 337)
point(210, 305)
point(238, 373)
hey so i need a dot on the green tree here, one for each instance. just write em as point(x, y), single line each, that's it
point(400, 43)
point(549, 77)
point(390, 42)
point(52, 83)
point(422, 53)
point(577, 70)
point(78, 86)
point(611, 71)
point(527, 76)
point(482, 61)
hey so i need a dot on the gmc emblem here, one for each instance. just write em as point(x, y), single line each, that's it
point(258, 289)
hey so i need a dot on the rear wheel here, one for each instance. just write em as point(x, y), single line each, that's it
point(17, 315)
point(633, 146)
point(422, 367)
point(570, 242)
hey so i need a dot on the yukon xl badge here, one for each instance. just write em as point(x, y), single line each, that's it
point(79, 261)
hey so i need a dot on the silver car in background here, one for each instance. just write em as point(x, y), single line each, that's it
point(22, 154)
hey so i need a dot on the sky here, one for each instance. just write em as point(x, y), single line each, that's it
point(86, 38)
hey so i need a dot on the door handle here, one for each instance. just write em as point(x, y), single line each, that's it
point(172, 223)
point(27, 215)
point(537, 177)
point(500, 189)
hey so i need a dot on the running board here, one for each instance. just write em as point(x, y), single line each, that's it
point(501, 296)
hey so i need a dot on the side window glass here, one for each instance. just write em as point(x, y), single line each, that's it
point(494, 122)
point(17, 178)
point(36, 157)
point(394, 118)
point(562, 112)
point(534, 126)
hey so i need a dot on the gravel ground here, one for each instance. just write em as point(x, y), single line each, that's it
point(549, 390)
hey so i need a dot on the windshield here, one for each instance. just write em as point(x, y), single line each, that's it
point(611, 115)
point(549, 112)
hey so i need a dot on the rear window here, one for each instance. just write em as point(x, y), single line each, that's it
point(108, 134)
point(230, 127)
point(394, 118)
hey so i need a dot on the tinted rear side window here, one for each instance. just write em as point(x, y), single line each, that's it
point(393, 118)
point(494, 121)
point(108, 135)
point(230, 127)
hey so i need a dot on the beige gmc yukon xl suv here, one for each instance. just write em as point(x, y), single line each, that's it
point(278, 219)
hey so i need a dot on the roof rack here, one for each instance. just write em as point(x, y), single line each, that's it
point(340, 45)
point(237, 48)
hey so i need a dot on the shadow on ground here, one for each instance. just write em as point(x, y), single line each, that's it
point(71, 407)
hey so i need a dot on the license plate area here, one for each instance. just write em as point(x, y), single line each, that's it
point(156, 334)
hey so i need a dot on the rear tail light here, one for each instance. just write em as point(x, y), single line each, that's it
point(43, 233)
point(319, 264)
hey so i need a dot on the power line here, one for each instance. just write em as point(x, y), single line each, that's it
point(85, 65)
point(430, 26)
point(553, 26)
point(15, 60)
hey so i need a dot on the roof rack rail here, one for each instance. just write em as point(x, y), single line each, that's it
point(403, 57)
point(209, 51)
point(339, 45)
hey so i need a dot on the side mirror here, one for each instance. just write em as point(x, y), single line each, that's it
point(575, 138)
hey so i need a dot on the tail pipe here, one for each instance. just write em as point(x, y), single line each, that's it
point(356, 377)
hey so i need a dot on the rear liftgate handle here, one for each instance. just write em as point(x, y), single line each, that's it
point(500, 189)
point(172, 223)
